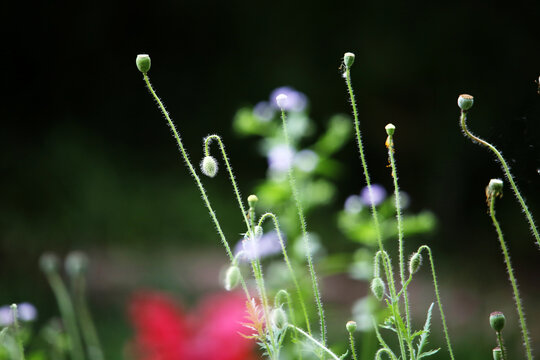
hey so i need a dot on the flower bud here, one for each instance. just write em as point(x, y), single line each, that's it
point(348, 59)
point(209, 166)
point(414, 262)
point(390, 128)
point(378, 288)
point(49, 263)
point(494, 188)
point(76, 263)
point(497, 320)
point(281, 101)
point(258, 231)
point(497, 353)
point(143, 63)
point(351, 326)
point(278, 318)
point(281, 298)
point(252, 200)
point(465, 102)
point(232, 277)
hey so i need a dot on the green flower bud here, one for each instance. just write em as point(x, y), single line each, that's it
point(252, 200)
point(465, 102)
point(232, 277)
point(348, 59)
point(378, 288)
point(351, 326)
point(390, 128)
point(494, 188)
point(414, 262)
point(281, 298)
point(497, 353)
point(278, 318)
point(49, 263)
point(143, 63)
point(76, 263)
point(497, 320)
point(209, 166)
point(258, 230)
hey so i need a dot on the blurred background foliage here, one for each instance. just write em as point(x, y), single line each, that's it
point(88, 163)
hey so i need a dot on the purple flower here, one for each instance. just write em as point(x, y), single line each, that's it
point(306, 160)
point(296, 101)
point(25, 312)
point(257, 248)
point(6, 316)
point(280, 158)
point(353, 204)
point(264, 111)
point(378, 194)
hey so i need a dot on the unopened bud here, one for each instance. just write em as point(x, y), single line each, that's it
point(76, 263)
point(209, 166)
point(351, 326)
point(232, 277)
point(49, 263)
point(348, 59)
point(378, 288)
point(494, 188)
point(281, 298)
point(390, 128)
point(143, 63)
point(497, 320)
point(465, 101)
point(252, 200)
point(414, 262)
point(497, 353)
point(278, 318)
point(281, 101)
point(258, 232)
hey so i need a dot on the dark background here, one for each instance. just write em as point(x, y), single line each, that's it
point(88, 163)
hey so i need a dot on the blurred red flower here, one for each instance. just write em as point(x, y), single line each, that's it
point(164, 332)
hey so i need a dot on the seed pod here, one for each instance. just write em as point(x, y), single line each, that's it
point(497, 353)
point(209, 166)
point(497, 320)
point(414, 262)
point(252, 200)
point(351, 326)
point(348, 59)
point(278, 318)
point(232, 277)
point(390, 129)
point(143, 63)
point(378, 288)
point(465, 102)
point(494, 188)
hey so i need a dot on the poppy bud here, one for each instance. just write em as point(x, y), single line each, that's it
point(348, 59)
point(378, 288)
point(282, 298)
point(415, 262)
point(351, 326)
point(278, 318)
point(494, 187)
point(209, 166)
point(252, 200)
point(232, 277)
point(143, 63)
point(497, 320)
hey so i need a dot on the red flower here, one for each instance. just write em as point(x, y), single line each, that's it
point(164, 332)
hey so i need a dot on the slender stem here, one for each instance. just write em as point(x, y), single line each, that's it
point(353, 348)
point(379, 353)
point(506, 169)
point(293, 321)
point(197, 179)
point(16, 331)
point(510, 270)
point(439, 302)
point(314, 282)
point(289, 266)
point(313, 340)
point(501, 345)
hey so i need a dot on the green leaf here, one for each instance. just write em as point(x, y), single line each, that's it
point(424, 336)
point(427, 353)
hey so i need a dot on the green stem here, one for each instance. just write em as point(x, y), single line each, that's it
point(289, 266)
point(439, 302)
point(314, 282)
point(313, 340)
point(379, 353)
point(353, 348)
point(197, 179)
point(16, 331)
point(501, 345)
point(510, 270)
point(293, 321)
point(506, 169)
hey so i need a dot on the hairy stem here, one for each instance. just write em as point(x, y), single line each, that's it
point(501, 345)
point(16, 331)
point(314, 341)
point(353, 347)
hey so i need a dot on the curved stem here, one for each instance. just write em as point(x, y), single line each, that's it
point(314, 282)
point(387, 352)
point(313, 340)
point(197, 179)
point(289, 266)
point(506, 169)
point(439, 302)
point(510, 270)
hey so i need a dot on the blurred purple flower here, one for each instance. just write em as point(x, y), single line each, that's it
point(280, 158)
point(25, 311)
point(306, 160)
point(6, 316)
point(264, 111)
point(353, 204)
point(257, 248)
point(378, 195)
point(296, 101)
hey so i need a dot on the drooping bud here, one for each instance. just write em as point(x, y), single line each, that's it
point(348, 59)
point(494, 188)
point(497, 320)
point(378, 288)
point(497, 353)
point(414, 262)
point(351, 326)
point(390, 128)
point(278, 318)
point(258, 231)
point(465, 102)
point(281, 298)
point(232, 277)
point(49, 263)
point(76, 263)
point(252, 200)
point(209, 166)
point(281, 101)
point(143, 63)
